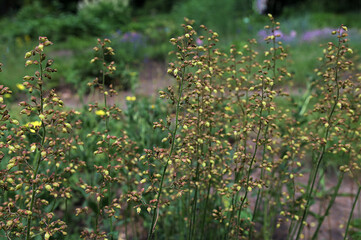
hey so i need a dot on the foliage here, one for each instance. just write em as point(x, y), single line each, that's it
point(222, 15)
point(222, 156)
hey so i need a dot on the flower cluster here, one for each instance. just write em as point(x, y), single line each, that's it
point(228, 162)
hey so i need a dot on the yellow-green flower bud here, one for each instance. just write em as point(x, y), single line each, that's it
point(48, 187)
point(28, 54)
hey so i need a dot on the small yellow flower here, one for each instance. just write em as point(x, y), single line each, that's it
point(228, 108)
point(33, 126)
point(152, 106)
point(130, 98)
point(20, 86)
point(100, 113)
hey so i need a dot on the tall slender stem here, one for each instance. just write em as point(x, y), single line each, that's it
point(351, 212)
point(333, 198)
point(38, 153)
point(156, 209)
point(323, 149)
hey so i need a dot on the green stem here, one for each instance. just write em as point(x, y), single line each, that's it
point(254, 155)
point(351, 213)
point(330, 204)
point(97, 220)
point(205, 207)
point(323, 150)
point(33, 187)
point(256, 207)
point(194, 207)
point(152, 226)
point(108, 141)
point(38, 153)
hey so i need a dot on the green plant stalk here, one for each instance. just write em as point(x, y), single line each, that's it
point(257, 138)
point(211, 165)
point(293, 205)
point(323, 150)
point(257, 202)
point(68, 185)
point(208, 191)
point(7, 235)
point(253, 157)
point(266, 218)
point(38, 154)
point(296, 225)
point(33, 187)
point(180, 90)
point(194, 208)
point(266, 135)
point(259, 193)
point(97, 219)
point(333, 197)
point(308, 199)
point(206, 204)
point(108, 142)
point(245, 121)
point(235, 196)
point(261, 176)
point(266, 130)
point(330, 204)
point(351, 212)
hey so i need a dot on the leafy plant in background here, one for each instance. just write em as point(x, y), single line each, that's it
point(199, 10)
point(103, 15)
point(225, 160)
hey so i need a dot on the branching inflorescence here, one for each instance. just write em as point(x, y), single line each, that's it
point(231, 165)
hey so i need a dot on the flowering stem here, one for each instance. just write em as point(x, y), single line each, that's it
point(333, 198)
point(253, 156)
point(351, 213)
point(38, 152)
point(210, 165)
point(107, 139)
point(33, 187)
point(323, 149)
point(156, 209)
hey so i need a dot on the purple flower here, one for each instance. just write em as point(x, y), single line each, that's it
point(316, 34)
point(264, 34)
point(199, 42)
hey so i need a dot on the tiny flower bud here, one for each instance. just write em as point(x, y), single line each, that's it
point(33, 148)
point(47, 43)
point(28, 54)
point(48, 187)
point(28, 62)
point(47, 236)
point(41, 47)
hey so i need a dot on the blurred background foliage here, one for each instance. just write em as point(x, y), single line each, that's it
point(140, 31)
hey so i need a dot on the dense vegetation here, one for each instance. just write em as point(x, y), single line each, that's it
point(230, 150)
